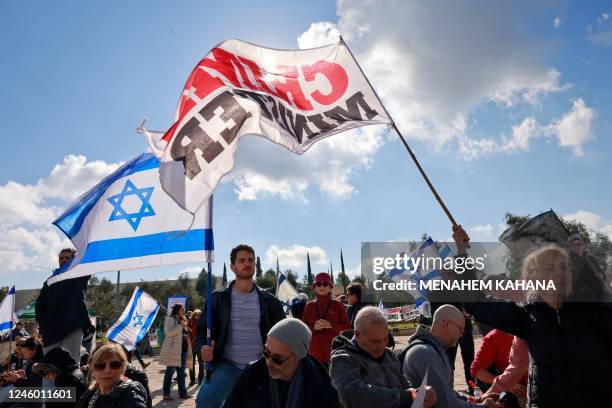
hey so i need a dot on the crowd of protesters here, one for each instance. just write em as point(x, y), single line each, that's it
point(549, 349)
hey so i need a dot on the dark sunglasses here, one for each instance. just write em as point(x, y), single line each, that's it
point(115, 365)
point(324, 284)
point(277, 360)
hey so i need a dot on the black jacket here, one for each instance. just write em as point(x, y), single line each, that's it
point(141, 377)
point(252, 389)
point(61, 309)
point(351, 312)
point(125, 394)
point(570, 349)
point(270, 308)
point(75, 379)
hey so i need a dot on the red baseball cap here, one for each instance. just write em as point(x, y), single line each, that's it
point(322, 277)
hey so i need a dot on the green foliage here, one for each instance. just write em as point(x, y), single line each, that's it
point(597, 243)
point(224, 281)
point(267, 281)
point(258, 271)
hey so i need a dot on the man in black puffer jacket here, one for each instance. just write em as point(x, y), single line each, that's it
point(285, 376)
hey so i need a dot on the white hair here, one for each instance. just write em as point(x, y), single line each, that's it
point(369, 315)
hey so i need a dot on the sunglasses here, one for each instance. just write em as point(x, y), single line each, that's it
point(277, 360)
point(324, 284)
point(114, 365)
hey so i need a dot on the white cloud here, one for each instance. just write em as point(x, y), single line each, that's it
point(294, 257)
point(600, 33)
point(575, 127)
point(319, 34)
point(571, 130)
point(592, 221)
point(265, 169)
point(30, 242)
point(486, 233)
point(557, 22)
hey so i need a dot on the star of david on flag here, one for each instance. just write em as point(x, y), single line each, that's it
point(119, 213)
point(140, 311)
point(127, 221)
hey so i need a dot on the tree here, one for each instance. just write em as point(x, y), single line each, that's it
point(258, 271)
point(224, 275)
point(310, 280)
point(202, 281)
point(331, 272)
point(267, 281)
point(343, 279)
point(598, 244)
point(292, 278)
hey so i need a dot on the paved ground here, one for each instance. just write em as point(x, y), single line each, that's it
point(156, 376)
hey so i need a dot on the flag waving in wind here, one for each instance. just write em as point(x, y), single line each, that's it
point(127, 222)
point(285, 292)
point(135, 320)
point(7, 312)
point(292, 97)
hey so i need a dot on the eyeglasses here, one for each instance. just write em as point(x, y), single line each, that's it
point(324, 284)
point(462, 329)
point(277, 360)
point(114, 365)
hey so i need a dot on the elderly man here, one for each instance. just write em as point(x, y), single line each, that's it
point(365, 372)
point(426, 352)
point(285, 376)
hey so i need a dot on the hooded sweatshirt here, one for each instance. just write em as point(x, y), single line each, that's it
point(430, 355)
point(366, 382)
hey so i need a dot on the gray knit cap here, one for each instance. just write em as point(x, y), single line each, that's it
point(294, 333)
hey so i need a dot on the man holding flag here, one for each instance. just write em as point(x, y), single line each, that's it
point(61, 311)
point(242, 317)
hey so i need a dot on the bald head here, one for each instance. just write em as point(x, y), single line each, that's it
point(449, 312)
point(448, 325)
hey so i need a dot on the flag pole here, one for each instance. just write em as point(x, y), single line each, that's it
point(208, 368)
point(410, 152)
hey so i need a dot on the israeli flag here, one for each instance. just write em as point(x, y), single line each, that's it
point(7, 312)
point(285, 292)
point(381, 306)
point(135, 320)
point(127, 221)
point(427, 249)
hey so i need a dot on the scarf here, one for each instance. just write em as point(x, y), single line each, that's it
point(295, 390)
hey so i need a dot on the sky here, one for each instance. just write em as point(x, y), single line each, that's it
point(506, 105)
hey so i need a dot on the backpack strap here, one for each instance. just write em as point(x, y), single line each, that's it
point(421, 340)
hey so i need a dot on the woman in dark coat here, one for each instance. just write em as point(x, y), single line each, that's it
point(570, 342)
point(110, 388)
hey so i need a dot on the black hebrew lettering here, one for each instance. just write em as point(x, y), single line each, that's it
point(233, 114)
point(352, 111)
point(191, 137)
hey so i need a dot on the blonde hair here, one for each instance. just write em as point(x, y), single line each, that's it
point(102, 353)
point(533, 264)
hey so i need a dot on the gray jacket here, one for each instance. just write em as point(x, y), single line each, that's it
point(362, 381)
point(440, 375)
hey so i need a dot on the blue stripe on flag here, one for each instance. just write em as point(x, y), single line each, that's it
point(71, 220)
point(6, 325)
point(147, 324)
point(128, 318)
point(281, 279)
point(12, 291)
point(144, 245)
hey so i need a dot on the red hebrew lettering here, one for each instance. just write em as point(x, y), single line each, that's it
point(335, 74)
point(290, 86)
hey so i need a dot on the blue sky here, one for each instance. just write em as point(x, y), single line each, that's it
point(507, 107)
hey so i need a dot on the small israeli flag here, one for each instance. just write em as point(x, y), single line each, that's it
point(7, 312)
point(285, 292)
point(427, 249)
point(135, 320)
point(381, 306)
point(128, 222)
